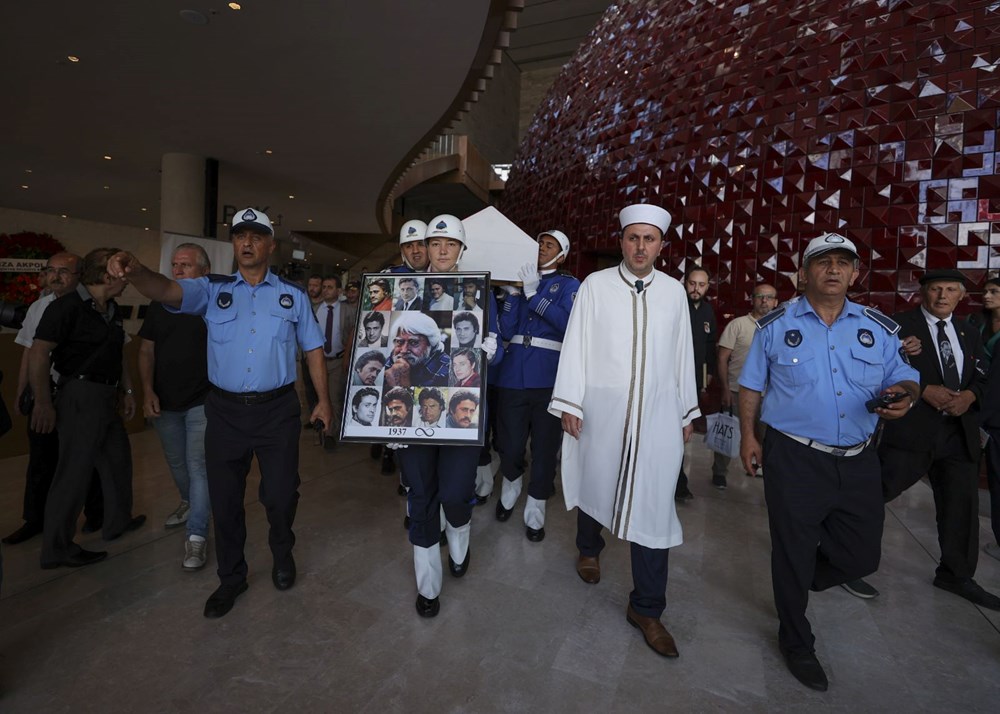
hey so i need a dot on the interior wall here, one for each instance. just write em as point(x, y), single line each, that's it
point(492, 123)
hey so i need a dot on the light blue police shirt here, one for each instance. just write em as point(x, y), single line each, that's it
point(252, 329)
point(817, 378)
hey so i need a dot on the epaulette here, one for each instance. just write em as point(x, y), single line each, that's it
point(769, 318)
point(220, 278)
point(565, 273)
point(890, 325)
point(289, 283)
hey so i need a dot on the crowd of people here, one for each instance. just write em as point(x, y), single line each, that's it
point(841, 407)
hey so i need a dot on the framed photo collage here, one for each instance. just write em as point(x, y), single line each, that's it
point(417, 371)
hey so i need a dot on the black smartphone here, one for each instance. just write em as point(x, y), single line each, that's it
point(884, 400)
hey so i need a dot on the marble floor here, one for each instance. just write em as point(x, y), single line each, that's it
point(520, 633)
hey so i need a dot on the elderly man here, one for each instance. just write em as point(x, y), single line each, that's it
point(828, 369)
point(255, 319)
point(173, 367)
point(418, 358)
point(534, 321)
point(733, 347)
point(82, 331)
point(627, 413)
point(60, 276)
point(940, 437)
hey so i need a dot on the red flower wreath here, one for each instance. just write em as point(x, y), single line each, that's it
point(22, 288)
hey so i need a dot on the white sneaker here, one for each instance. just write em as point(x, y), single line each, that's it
point(178, 517)
point(194, 553)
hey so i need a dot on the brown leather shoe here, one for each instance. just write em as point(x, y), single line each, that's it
point(653, 631)
point(589, 569)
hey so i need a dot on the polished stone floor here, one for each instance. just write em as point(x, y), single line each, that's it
point(520, 633)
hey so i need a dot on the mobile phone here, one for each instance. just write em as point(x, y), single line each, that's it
point(884, 400)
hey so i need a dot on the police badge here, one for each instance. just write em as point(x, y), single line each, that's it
point(793, 338)
point(285, 300)
point(224, 300)
point(866, 338)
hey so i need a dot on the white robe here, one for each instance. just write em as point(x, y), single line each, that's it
point(627, 369)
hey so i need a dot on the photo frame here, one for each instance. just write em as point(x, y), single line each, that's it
point(417, 370)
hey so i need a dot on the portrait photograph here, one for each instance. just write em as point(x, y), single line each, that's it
point(408, 294)
point(438, 295)
point(372, 329)
point(377, 293)
point(367, 368)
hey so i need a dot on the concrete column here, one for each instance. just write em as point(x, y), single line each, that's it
point(182, 194)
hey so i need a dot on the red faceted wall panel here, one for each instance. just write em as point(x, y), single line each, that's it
point(762, 124)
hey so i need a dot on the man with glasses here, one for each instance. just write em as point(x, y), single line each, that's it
point(60, 276)
point(733, 348)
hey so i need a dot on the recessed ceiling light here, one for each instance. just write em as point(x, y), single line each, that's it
point(268, 152)
point(235, 6)
point(142, 209)
point(107, 188)
point(72, 58)
point(309, 220)
point(107, 158)
point(24, 185)
point(291, 196)
point(27, 171)
point(145, 229)
point(63, 215)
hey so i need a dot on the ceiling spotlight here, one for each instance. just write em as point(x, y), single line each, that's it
point(107, 158)
point(235, 6)
point(24, 185)
point(27, 171)
point(291, 196)
point(142, 209)
point(268, 152)
point(72, 58)
point(309, 220)
point(63, 215)
point(107, 188)
point(145, 229)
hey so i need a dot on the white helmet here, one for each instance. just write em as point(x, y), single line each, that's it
point(412, 231)
point(446, 226)
point(562, 239)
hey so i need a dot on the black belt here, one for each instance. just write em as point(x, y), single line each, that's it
point(96, 379)
point(254, 397)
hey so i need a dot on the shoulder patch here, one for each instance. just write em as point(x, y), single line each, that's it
point(769, 318)
point(290, 284)
point(887, 323)
point(220, 278)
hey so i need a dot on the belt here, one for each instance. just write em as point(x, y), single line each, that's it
point(336, 356)
point(254, 397)
point(529, 341)
point(96, 379)
point(835, 450)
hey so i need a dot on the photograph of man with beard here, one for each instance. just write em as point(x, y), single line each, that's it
point(364, 406)
point(418, 358)
point(397, 407)
point(463, 410)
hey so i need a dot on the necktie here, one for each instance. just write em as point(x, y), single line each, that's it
point(638, 286)
point(328, 345)
point(949, 369)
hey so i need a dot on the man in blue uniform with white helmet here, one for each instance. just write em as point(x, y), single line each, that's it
point(255, 319)
point(822, 361)
point(533, 321)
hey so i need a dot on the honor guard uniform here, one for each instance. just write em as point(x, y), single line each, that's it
point(533, 322)
point(818, 362)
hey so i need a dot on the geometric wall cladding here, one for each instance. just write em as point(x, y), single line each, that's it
point(760, 124)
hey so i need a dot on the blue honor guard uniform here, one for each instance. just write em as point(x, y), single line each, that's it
point(533, 328)
point(821, 471)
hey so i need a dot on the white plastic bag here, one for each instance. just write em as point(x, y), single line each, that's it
point(723, 435)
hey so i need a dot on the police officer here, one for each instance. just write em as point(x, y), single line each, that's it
point(254, 321)
point(533, 321)
point(820, 361)
point(443, 476)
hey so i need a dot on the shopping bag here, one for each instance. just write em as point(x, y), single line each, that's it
point(723, 435)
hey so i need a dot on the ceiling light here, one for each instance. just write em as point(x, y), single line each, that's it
point(72, 58)
point(291, 196)
point(268, 152)
point(27, 171)
point(142, 209)
point(107, 158)
point(107, 188)
point(309, 220)
point(145, 229)
point(24, 185)
point(235, 6)
point(63, 215)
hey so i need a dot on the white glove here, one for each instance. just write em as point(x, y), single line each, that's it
point(396, 446)
point(511, 290)
point(490, 346)
point(528, 275)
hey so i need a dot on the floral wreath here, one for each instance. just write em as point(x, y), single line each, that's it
point(22, 288)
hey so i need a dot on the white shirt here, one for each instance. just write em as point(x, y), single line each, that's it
point(26, 335)
point(337, 342)
point(949, 329)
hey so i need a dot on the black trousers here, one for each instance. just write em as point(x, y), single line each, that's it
point(818, 498)
point(91, 435)
point(235, 433)
point(649, 566)
point(43, 457)
point(993, 480)
point(954, 480)
point(524, 412)
point(438, 476)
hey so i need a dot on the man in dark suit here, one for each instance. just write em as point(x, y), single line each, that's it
point(940, 435)
point(408, 299)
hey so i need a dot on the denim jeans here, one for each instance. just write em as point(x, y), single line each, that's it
point(183, 437)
